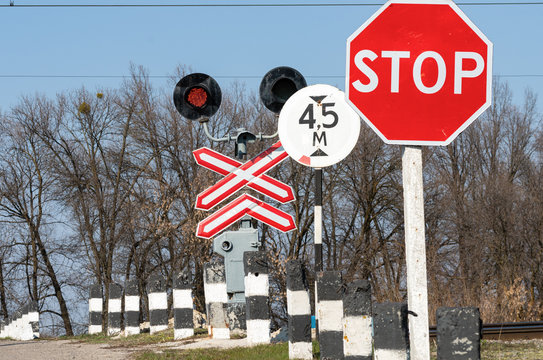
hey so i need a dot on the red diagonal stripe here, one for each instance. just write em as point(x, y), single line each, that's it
point(236, 209)
point(231, 176)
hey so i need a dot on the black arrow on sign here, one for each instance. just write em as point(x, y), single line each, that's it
point(319, 152)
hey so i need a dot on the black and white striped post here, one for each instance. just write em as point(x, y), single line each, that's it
point(257, 297)
point(95, 309)
point(390, 331)
point(183, 306)
point(158, 304)
point(330, 293)
point(131, 308)
point(357, 321)
point(216, 298)
point(299, 312)
point(458, 333)
point(317, 241)
point(114, 309)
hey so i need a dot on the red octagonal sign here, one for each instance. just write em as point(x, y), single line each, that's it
point(419, 72)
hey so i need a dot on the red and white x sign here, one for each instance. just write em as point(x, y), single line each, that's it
point(244, 205)
point(238, 175)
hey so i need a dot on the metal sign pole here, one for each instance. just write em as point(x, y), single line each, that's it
point(415, 252)
point(318, 220)
point(317, 241)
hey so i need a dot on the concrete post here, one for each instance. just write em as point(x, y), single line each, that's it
point(257, 297)
point(299, 312)
point(131, 308)
point(183, 306)
point(95, 309)
point(330, 294)
point(158, 304)
point(415, 252)
point(458, 333)
point(34, 319)
point(390, 332)
point(357, 321)
point(17, 324)
point(216, 298)
point(26, 330)
point(114, 309)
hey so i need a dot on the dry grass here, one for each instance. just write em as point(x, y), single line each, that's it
point(490, 349)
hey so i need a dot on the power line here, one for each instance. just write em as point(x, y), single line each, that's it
point(34, 76)
point(253, 5)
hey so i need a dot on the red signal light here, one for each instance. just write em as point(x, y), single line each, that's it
point(197, 97)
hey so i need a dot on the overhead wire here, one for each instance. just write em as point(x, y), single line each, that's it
point(37, 76)
point(13, 4)
point(89, 5)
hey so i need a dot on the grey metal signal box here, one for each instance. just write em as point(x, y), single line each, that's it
point(231, 245)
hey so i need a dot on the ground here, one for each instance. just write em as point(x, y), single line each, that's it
point(143, 347)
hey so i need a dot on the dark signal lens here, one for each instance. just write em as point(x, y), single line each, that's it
point(197, 97)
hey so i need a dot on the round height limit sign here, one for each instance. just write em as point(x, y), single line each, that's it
point(317, 127)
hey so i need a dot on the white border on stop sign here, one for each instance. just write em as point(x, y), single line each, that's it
point(472, 118)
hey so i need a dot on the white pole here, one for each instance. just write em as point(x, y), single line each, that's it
point(415, 253)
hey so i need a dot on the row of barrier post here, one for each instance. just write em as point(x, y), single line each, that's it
point(158, 307)
point(350, 326)
point(221, 316)
point(24, 324)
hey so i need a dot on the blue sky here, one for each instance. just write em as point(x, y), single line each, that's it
point(229, 43)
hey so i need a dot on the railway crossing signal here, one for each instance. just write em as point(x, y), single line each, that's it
point(238, 175)
point(197, 96)
point(245, 205)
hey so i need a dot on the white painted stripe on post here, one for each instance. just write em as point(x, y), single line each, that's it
point(156, 328)
point(331, 315)
point(318, 224)
point(132, 303)
point(179, 334)
point(113, 331)
point(95, 305)
point(34, 316)
point(257, 285)
point(158, 301)
point(221, 333)
point(387, 354)
point(300, 350)
point(95, 329)
point(182, 298)
point(357, 339)
point(215, 293)
point(114, 305)
point(131, 330)
point(258, 331)
point(298, 302)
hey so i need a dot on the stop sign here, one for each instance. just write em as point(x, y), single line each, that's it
point(419, 72)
